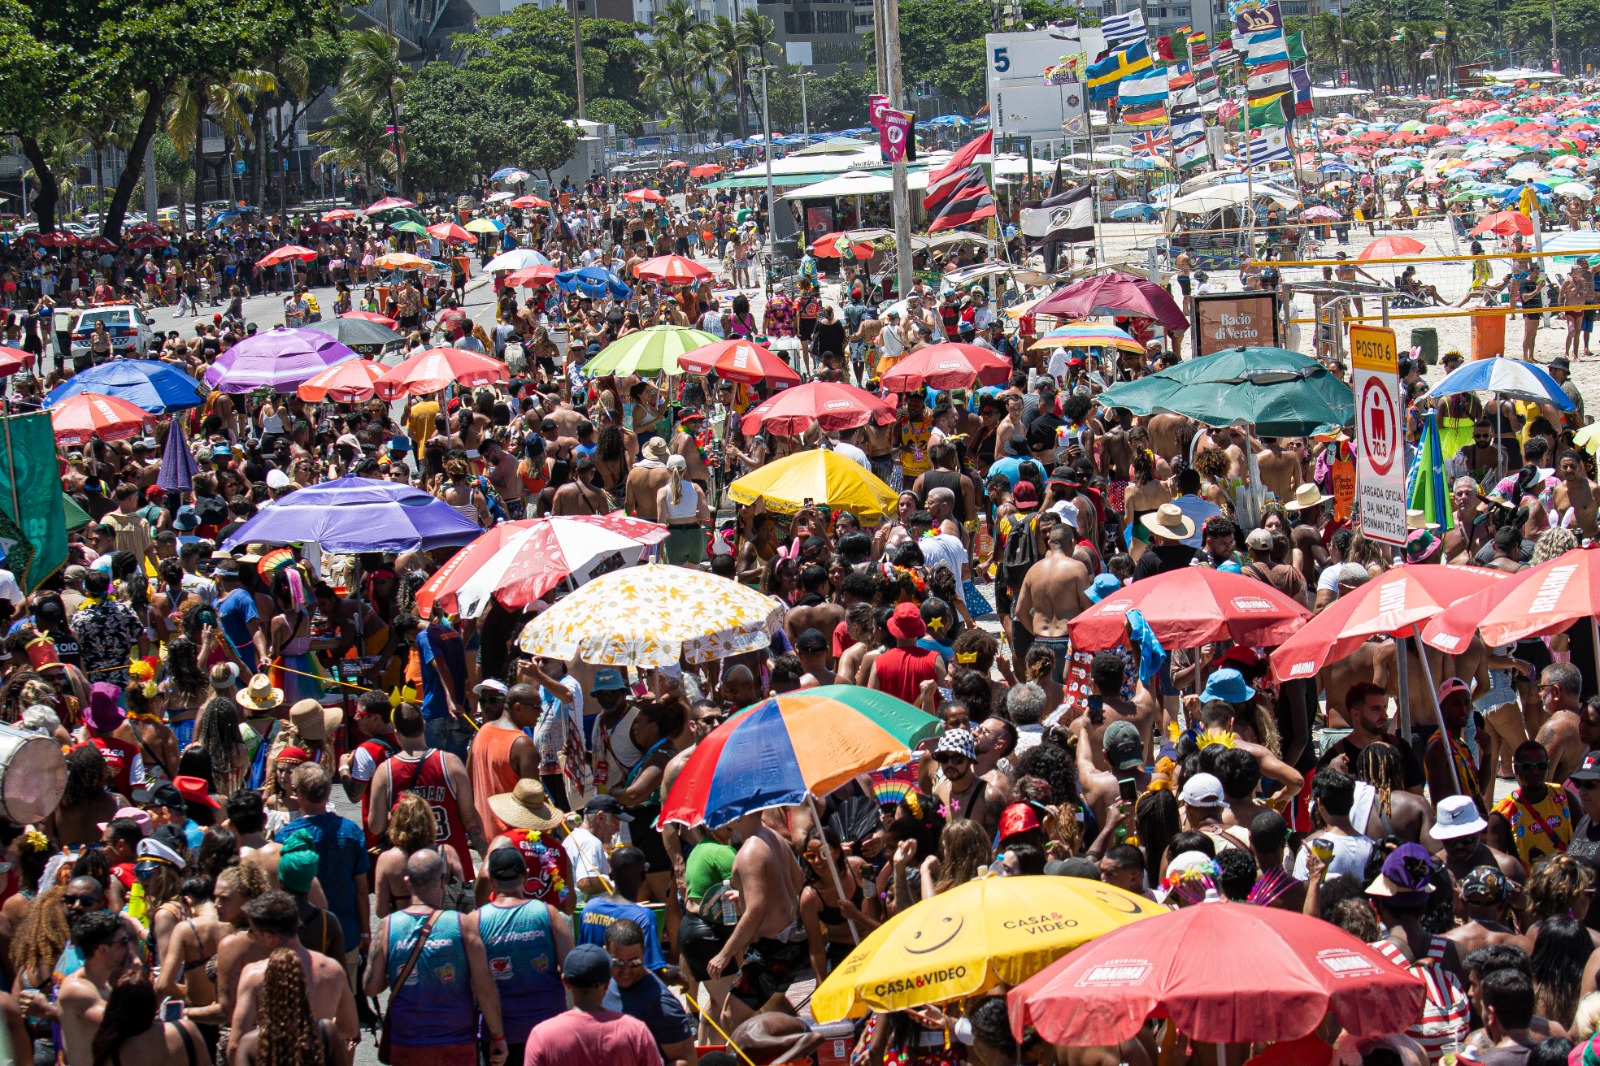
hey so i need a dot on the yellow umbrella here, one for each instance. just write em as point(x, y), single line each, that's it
point(403, 261)
point(482, 225)
point(979, 934)
point(1588, 438)
point(821, 476)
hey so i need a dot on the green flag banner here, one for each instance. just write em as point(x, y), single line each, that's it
point(33, 526)
point(1297, 47)
point(1265, 115)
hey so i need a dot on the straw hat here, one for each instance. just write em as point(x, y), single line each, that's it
point(1306, 497)
point(1168, 520)
point(259, 694)
point(1416, 518)
point(526, 806)
point(313, 721)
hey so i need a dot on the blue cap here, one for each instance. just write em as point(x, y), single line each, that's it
point(1103, 586)
point(186, 518)
point(1227, 685)
point(587, 966)
point(608, 679)
point(399, 444)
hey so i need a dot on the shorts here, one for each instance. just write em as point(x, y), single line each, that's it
point(684, 546)
point(644, 835)
point(1183, 284)
point(769, 968)
point(1061, 648)
point(1588, 321)
point(449, 1055)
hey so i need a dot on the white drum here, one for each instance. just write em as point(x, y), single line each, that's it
point(33, 774)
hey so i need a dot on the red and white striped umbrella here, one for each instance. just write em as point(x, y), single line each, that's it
point(92, 414)
point(672, 270)
point(518, 562)
point(436, 369)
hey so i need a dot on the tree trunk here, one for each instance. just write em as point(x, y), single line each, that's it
point(111, 225)
point(46, 189)
point(283, 170)
point(258, 177)
point(199, 173)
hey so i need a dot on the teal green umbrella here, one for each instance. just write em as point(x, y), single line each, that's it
point(1278, 392)
point(648, 351)
point(406, 225)
point(390, 215)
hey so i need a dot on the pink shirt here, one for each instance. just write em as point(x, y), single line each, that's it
point(604, 1038)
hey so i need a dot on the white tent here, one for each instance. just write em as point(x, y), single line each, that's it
point(857, 183)
point(1233, 194)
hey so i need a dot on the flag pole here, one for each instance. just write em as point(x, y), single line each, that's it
point(1249, 182)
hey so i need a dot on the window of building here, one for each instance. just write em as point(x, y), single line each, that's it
point(833, 22)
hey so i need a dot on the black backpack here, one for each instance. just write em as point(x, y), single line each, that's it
point(1021, 551)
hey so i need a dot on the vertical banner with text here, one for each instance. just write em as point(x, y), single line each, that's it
point(1380, 441)
point(876, 106)
point(895, 136)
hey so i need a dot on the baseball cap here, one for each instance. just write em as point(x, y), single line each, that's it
point(161, 794)
point(1024, 496)
point(607, 805)
point(608, 679)
point(1259, 540)
point(133, 814)
point(490, 686)
point(348, 440)
point(277, 479)
point(1202, 790)
point(1485, 886)
point(811, 640)
point(1017, 818)
point(1407, 874)
point(1451, 686)
point(586, 966)
point(1077, 866)
point(1124, 747)
point(506, 864)
point(1588, 769)
point(1457, 816)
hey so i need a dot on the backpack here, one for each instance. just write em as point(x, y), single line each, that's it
point(1021, 551)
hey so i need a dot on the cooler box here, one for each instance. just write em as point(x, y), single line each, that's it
point(1488, 334)
point(1427, 338)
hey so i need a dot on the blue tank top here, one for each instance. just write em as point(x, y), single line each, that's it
point(522, 960)
point(435, 1008)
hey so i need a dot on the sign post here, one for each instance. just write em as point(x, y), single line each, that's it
point(1380, 443)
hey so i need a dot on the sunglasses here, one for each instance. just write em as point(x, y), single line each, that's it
point(944, 758)
point(1531, 766)
point(81, 901)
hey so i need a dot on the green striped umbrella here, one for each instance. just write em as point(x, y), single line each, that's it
point(648, 351)
point(406, 225)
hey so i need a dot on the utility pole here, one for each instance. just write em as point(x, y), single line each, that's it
point(577, 58)
point(766, 155)
point(897, 96)
point(805, 115)
point(880, 46)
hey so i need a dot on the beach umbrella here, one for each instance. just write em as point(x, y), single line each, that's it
point(524, 203)
point(1392, 247)
point(1089, 335)
point(178, 466)
point(1574, 190)
point(371, 316)
point(451, 233)
point(831, 405)
point(1429, 491)
point(1320, 213)
point(436, 369)
point(483, 225)
point(1278, 392)
point(13, 360)
point(1512, 378)
point(594, 281)
point(1114, 293)
point(347, 382)
point(158, 387)
point(740, 360)
point(650, 351)
point(1128, 212)
point(1536, 602)
point(787, 749)
point(949, 365)
point(705, 170)
point(351, 515)
point(672, 270)
point(403, 261)
point(516, 259)
point(824, 477)
point(79, 419)
point(837, 245)
point(511, 174)
point(1190, 607)
point(1224, 973)
point(357, 332)
point(406, 225)
point(340, 214)
point(516, 563)
point(100, 244)
point(1396, 603)
point(644, 196)
point(285, 253)
point(279, 360)
point(984, 932)
point(388, 203)
point(531, 277)
point(1504, 223)
point(650, 616)
point(147, 241)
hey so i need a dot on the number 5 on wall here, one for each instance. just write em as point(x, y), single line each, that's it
point(1002, 62)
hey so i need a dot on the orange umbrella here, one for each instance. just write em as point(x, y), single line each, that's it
point(1390, 247)
point(531, 277)
point(832, 245)
point(705, 170)
point(436, 369)
point(524, 202)
point(739, 360)
point(339, 214)
point(1504, 223)
point(92, 414)
point(1537, 602)
point(285, 253)
point(671, 269)
point(451, 233)
point(347, 382)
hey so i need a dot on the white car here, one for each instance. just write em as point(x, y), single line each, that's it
point(130, 330)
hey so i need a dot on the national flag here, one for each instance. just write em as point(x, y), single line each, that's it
point(1199, 48)
point(1164, 48)
point(966, 198)
point(1302, 90)
point(1180, 43)
point(944, 180)
point(1270, 83)
point(1426, 53)
point(1268, 112)
point(1441, 35)
point(1426, 484)
point(1067, 217)
point(1140, 92)
point(1297, 47)
point(1266, 48)
point(1153, 115)
point(1268, 146)
point(1105, 75)
point(1179, 76)
point(1151, 144)
point(1191, 155)
point(1119, 30)
point(1184, 99)
point(1187, 130)
point(33, 521)
point(1226, 54)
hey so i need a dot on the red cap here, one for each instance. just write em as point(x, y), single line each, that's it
point(1024, 496)
point(1018, 818)
point(194, 790)
point(154, 492)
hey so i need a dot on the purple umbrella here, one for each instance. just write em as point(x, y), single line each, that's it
point(280, 360)
point(177, 462)
point(1114, 294)
point(358, 514)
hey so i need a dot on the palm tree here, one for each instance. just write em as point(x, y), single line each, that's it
point(355, 138)
point(227, 102)
point(375, 71)
point(724, 36)
point(668, 75)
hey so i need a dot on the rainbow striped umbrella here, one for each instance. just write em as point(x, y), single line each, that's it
point(1089, 335)
point(780, 752)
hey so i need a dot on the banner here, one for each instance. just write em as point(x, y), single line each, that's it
point(1255, 16)
point(876, 106)
point(895, 137)
point(1234, 319)
point(33, 523)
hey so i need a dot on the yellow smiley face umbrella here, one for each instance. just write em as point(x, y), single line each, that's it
point(988, 931)
point(825, 478)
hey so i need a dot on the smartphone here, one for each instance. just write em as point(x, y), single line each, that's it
point(808, 501)
point(172, 1011)
point(1096, 702)
point(1128, 789)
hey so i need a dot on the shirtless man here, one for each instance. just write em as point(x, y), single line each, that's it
point(1575, 500)
point(1483, 899)
point(106, 944)
point(1169, 434)
point(684, 444)
point(275, 923)
point(1281, 468)
point(769, 936)
point(963, 791)
point(645, 481)
point(1569, 729)
point(1116, 454)
point(1106, 706)
point(1055, 591)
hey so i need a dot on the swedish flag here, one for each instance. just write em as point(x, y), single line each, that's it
point(1104, 75)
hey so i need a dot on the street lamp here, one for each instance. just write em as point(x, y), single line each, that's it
point(766, 152)
point(805, 116)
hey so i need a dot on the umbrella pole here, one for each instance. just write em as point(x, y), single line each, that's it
point(1433, 694)
point(833, 871)
point(1403, 687)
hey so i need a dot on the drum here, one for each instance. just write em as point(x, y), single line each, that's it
point(33, 774)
